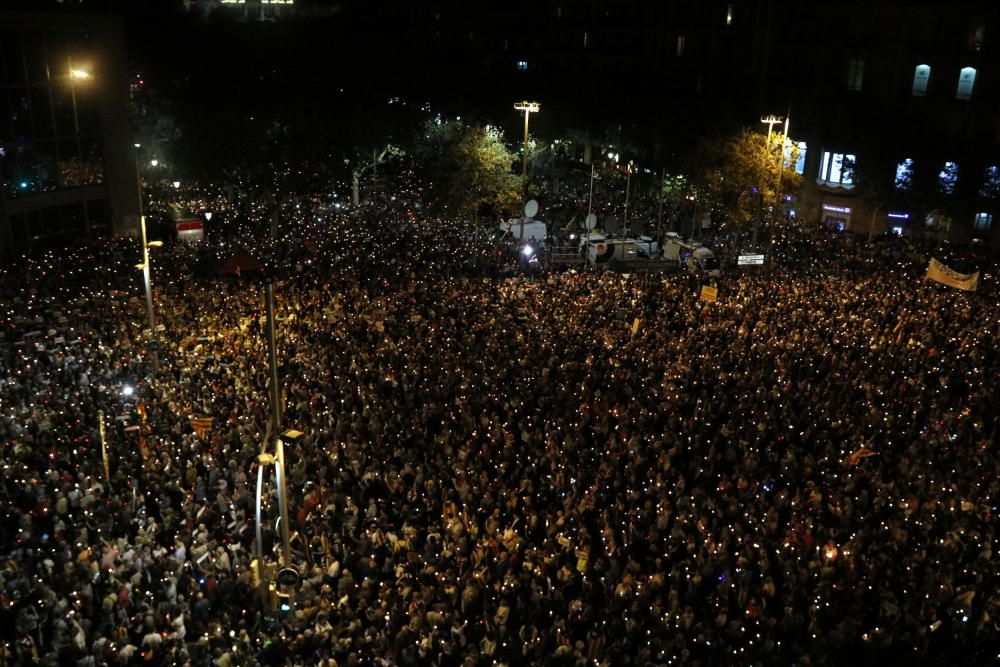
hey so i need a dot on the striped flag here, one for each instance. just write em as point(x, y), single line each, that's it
point(202, 426)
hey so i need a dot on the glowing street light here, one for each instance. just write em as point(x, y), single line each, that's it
point(154, 163)
point(528, 108)
point(128, 390)
point(144, 267)
point(77, 75)
point(770, 120)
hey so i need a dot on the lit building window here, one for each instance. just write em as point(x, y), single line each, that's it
point(977, 38)
point(836, 170)
point(984, 221)
point(729, 14)
point(855, 73)
point(800, 157)
point(522, 65)
point(948, 177)
point(680, 46)
point(966, 81)
point(921, 77)
point(991, 182)
point(904, 174)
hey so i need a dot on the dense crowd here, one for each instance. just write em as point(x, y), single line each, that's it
point(577, 469)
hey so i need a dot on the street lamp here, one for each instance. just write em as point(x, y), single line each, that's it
point(78, 75)
point(528, 108)
point(769, 120)
point(144, 267)
point(264, 459)
point(628, 188)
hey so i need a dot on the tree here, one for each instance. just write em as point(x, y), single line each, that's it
point(470, 167)
point(739, 174)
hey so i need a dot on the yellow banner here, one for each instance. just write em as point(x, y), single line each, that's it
point(709, 293)
point(938, 272)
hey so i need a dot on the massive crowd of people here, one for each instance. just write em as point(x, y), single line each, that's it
point(583, 468)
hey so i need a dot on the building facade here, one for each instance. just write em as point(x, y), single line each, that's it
point(896, 110)
point(67, 158)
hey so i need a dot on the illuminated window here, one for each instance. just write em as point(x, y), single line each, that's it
point(948, 177)
point(800, 157)
point(729, 14)
point(904, 174)
point(984, 221)
point(921, 77)
point(855, 73)
point(991, 182)
point(836, 170)
point(680, 46)
point(966, 81)
point(522, 65)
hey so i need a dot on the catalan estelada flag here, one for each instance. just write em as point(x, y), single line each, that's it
point(202, 426)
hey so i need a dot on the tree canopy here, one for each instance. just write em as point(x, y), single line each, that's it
point(470, 167)
point(739, 174)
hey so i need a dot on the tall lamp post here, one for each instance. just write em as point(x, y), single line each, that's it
point(590, 202)
point(628, 188)
point(266, 458)
point(770, 121)
point(146, 279)
point(144, 266)
point(528, 108)
point(78, 75)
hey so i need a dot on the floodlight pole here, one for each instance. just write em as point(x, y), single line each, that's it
point(272, 361)
point(781, 161)
point(146, 277)
point(659, 212)
point(528, 108)
point(770, 121)
point(628, 188)
point(590, 203)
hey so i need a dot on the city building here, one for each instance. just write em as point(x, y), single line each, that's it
point(67, 157)
point(891, 103)
point(897, 117)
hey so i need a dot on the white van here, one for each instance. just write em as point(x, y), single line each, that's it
point(602, 250)
point(703, 260)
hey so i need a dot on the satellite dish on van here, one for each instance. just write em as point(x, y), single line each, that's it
point(590, 222)
point(531, 209)
point(610, 224)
